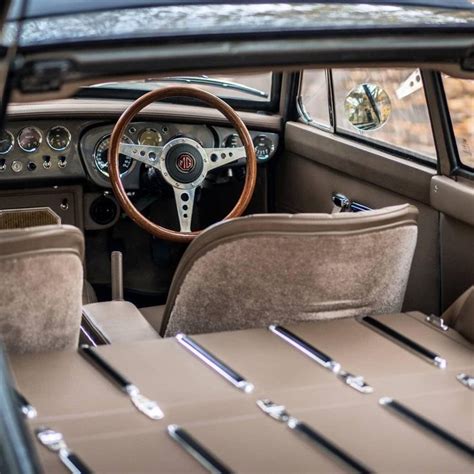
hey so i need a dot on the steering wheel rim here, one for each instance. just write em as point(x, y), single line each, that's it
point(157, 157)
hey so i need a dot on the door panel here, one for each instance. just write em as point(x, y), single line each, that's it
point(315, 166)
point(457, 258)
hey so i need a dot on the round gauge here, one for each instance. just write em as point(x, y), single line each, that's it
point(6, 141)
point(150, 137)
point(264, 147)
point(58, 138)
point(101, 157)
point(233, 141)
point(29, 139)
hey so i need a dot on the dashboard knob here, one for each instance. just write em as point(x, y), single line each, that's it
point(17, 166)
point(62, 162)
point(3, 165)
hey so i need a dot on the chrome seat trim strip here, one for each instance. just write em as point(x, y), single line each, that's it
point(216, 364)
point(425, 424)
point(404, 341)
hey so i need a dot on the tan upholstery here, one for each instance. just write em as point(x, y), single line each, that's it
point(118, 321)
point(104, 428)
point(40, 301)
point(154, 315)
point(255, 270)
point(460, 315)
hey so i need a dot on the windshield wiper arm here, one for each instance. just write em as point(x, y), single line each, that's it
point(203, 80)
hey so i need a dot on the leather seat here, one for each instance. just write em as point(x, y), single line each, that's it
point(42, 280)
point(280, 268)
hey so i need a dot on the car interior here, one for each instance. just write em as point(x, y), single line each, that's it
point(175, 215)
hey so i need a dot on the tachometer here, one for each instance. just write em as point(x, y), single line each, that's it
point(58, 138)
point(101, 154)
point(29, 139)
point(6, 141)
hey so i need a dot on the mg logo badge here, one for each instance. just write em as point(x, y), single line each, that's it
point(185, 162)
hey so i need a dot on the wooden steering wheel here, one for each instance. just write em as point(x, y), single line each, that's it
point(182, 162)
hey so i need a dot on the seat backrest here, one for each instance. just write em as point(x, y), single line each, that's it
point(40, 302)
point(280, 268)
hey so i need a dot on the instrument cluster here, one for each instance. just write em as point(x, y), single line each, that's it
point(75, 149)
point(94, 145)
point(43, 150)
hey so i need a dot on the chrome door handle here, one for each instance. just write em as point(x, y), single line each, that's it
point(348, 205)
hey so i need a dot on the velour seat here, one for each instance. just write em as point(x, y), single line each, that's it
point(281, 268)
point(42, 280)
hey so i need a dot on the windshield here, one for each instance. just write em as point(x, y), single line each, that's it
point(254, 87)
point(247, 17)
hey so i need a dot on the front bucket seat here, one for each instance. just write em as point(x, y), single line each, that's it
point(280, 268)
point(42, 278)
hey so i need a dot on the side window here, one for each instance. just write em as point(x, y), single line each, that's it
point(313, 100)
point(386, 107)
point(394, 109)
point(460, 97)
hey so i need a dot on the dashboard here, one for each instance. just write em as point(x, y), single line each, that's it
point(71, 149)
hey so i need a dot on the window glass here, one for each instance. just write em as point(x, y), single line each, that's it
point(253, 87)
point(314, 97)
point(460, 96)
point(401, 120)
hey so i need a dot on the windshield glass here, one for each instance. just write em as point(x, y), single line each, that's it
point(254, 87)
point(207, 19)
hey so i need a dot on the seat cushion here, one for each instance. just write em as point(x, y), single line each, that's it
point(118, 321)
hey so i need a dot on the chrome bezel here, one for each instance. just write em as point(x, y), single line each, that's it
point(272, 147)
point(105, 173)
point(10, 134)
point(68, 141)
point(40, 139)
point(146, 129)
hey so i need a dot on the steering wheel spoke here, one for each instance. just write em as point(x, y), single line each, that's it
point(184, 205)
point(150, 155)
point(218, 157)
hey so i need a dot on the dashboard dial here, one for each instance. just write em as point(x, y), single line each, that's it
point(233, 141)
point(6, 141)
point(29, 139)
point(59, 138)
point(101, 157)
point(150, 137)
point(264, 147)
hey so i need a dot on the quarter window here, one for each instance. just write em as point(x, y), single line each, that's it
point(460, 97)
point(313, 99)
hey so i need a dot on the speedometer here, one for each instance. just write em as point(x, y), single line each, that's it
point(101, 157)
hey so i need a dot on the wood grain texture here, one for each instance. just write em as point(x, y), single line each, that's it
point(129, 115)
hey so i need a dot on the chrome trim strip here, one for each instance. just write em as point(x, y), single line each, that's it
point(356, 382)
point(88, 336)
point(201, 454)
point(403, 341)
point(279, 413)
point(320, 357)
point(405, 412)
point(148, 407)
point(216, 364)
